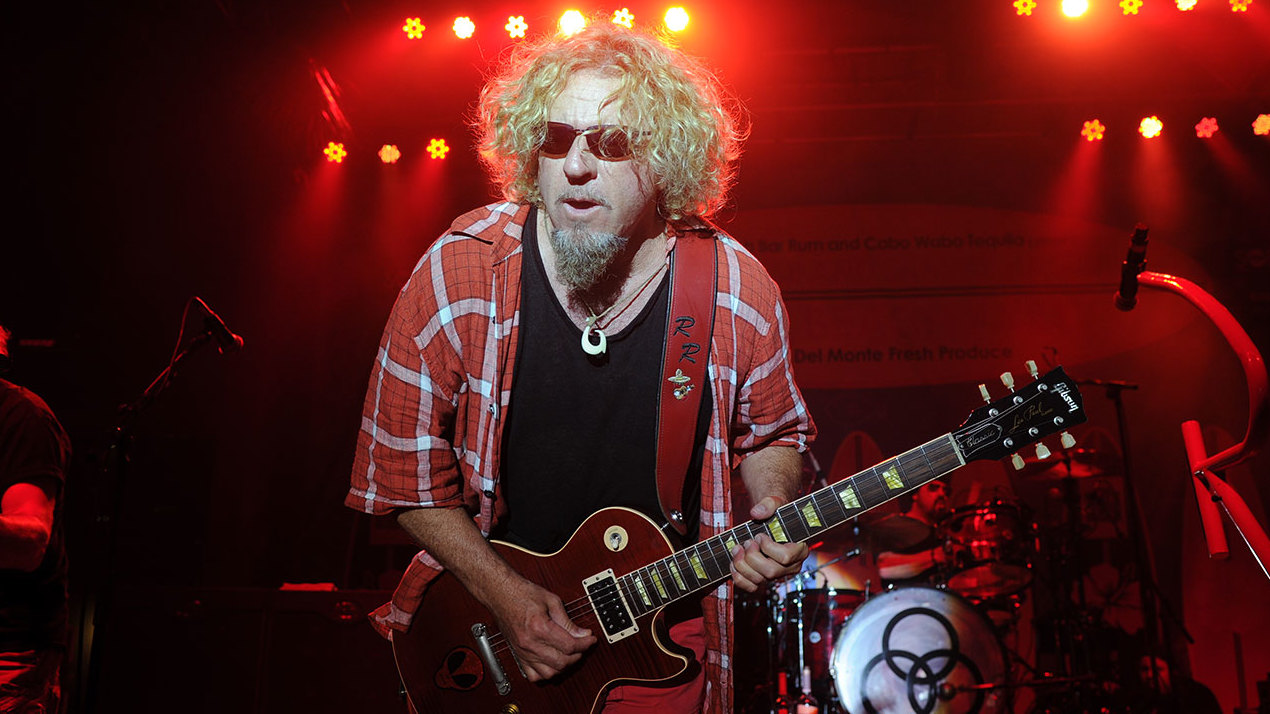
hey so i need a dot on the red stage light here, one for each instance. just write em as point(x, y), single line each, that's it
point(389, 153)
point(1093, 130)
point(516, 26)
point(1239, 5)
point(1150, 127)
point(1261, 127)
point(413, 28)
point(1206, 127)
point(464, 27)
point(624, 18)
point(1024, 7)
point(335, 153)
point(1130, 7)
point(1186, 4)
point(676, 19)
point(572, 22)
point(437, 148)
point(1075, 8)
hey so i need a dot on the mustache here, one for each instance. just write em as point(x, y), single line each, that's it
point(582, 196)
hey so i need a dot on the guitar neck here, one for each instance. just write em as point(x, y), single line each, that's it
point(709, 562)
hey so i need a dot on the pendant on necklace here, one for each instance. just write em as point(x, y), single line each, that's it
point(594, 348)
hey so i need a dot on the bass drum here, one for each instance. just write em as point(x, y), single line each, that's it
point(919, 650)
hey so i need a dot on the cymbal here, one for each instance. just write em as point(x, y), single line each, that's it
point(1072, 463)
point(896, 532)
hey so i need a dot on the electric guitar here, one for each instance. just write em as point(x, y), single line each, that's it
point(618, 571)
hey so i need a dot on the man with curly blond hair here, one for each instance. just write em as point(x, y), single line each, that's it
point(518, 382)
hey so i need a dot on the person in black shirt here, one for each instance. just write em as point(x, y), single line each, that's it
point(34, 451)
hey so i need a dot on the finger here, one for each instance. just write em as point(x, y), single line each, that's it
point(761, 564)
point(555, 610)
point(744, 575)
point(764, 508)
point(784, 554)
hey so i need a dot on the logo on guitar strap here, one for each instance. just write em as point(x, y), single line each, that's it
point(461, 670)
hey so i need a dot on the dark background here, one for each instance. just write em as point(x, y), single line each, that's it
point(163, 150)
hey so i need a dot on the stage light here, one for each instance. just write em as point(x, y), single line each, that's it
point(1075, 8)
point(676, 19)
point(572, 22)
point(1261, 127)
point(1024, 7)
point(1130, 7)
point(1093, 130)
point(624, 18)
point(1150, 127)
point(437, 148)
point(1239, 5)
point(335, 153)
point(464, 27)
point(1185, 5)
point(413, 28)
point(516, 26)
point(389, 153)
point(1206, 127)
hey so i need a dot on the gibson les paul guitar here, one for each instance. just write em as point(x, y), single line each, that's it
point(618, 571)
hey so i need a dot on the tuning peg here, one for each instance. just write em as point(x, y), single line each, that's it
point(1031, 368)
point(983, 392)
point(1017, 462)
point(1067, 440)
point(1008, 380)
point(1042, 451)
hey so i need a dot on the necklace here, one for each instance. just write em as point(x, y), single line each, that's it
point(602, 344)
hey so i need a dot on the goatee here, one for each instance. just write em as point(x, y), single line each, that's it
point(583, 258)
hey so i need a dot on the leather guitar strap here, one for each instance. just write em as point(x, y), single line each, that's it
point(685, 356)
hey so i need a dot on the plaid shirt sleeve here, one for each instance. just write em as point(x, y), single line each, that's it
point(769, 409)
point(757, 404)
point(406, 450)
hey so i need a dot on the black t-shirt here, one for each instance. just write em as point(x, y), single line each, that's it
point(33, 449)
point(581, 429)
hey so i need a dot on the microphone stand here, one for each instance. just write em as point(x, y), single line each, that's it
point(98, 596)
point(1148, 586)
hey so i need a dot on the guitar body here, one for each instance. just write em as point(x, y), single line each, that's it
point(441, 666)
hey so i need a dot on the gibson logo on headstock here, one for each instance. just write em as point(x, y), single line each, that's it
point(1065, 392)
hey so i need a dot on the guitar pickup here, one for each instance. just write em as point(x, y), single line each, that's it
point(610, 606)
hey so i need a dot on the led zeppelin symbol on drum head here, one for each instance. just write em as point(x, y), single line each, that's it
point(918, 650)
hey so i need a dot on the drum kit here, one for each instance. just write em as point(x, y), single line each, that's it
point(940, 643)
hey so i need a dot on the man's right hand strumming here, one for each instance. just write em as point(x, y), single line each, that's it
point(533, 619)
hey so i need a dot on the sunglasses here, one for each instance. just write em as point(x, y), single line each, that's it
point(609, 142)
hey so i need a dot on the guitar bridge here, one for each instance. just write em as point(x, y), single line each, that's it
point(610, 606)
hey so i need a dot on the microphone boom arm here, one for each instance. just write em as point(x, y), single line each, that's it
point(1213, 491)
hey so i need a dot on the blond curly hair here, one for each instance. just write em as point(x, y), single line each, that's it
point(690, 128)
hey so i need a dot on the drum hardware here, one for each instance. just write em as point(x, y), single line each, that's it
point(990, 547)
point(807, 620)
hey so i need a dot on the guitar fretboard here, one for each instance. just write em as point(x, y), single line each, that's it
point(709, 561)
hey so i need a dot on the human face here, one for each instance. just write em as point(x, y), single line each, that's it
point(932, 499)
point(584, 194)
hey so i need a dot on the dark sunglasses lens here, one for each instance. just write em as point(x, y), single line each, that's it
point(559, 138)
point(609, 144)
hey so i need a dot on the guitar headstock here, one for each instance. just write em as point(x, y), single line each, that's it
point(1050, 404)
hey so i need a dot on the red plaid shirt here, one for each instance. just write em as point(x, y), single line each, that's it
point(432, 423)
